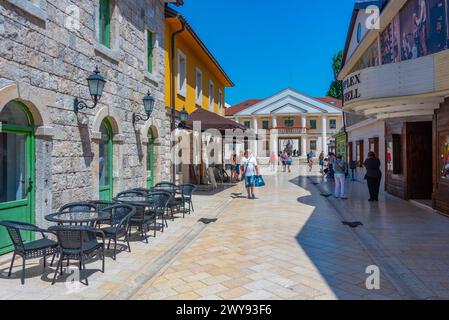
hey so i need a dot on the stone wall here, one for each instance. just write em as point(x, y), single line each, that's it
point(46, 55)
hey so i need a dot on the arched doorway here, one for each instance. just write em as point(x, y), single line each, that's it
point(150, 159)
point(106, 161)
point(17, 175)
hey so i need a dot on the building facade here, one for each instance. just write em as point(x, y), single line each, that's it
point(51, 155)
point(292, 121)
point(199, 80)
point(396, 89)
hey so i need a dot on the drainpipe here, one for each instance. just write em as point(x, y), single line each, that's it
point(173, 95)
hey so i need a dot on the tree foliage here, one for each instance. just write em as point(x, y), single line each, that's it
point(336, 86)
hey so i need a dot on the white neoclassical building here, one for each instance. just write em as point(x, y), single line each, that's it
point(292, 121)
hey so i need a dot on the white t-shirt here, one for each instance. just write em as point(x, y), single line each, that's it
point(251, 163)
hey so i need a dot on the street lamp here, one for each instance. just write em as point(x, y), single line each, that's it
point(183, 116)
point(148, 105)
point(96, 84)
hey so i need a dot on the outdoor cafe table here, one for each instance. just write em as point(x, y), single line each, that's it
point(78, 218)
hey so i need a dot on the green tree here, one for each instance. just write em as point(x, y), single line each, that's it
point(336, 87)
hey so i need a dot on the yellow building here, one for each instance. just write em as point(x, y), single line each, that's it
point(199, 80)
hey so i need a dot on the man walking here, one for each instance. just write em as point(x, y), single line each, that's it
point(250, 170)
point(340, 169)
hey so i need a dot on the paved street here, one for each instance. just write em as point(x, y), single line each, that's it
point(290, 243)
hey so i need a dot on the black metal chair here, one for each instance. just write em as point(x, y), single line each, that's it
point(160, 201)
point(100, 205)
point(78, 243)
point(175, 204)
point(143, 190)
point(31, 250)
point(187, 191)
point(119, 224)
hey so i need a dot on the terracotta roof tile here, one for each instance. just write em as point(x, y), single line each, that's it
point(241, 106)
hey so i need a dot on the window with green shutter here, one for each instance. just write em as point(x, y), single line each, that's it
point(313, 124)
point(105, 23)
point(150, 51)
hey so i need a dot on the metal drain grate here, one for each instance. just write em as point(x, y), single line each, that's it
point(326, 195)
point(207, 221)
point(354, 224)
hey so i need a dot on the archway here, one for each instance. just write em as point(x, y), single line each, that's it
point(17, 172)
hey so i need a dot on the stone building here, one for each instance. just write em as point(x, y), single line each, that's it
point(52, 155)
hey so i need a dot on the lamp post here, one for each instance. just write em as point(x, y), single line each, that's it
point(96, 83)
point(148, 105)
point(183, 116)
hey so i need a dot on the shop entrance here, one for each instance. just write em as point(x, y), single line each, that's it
point(419, 160)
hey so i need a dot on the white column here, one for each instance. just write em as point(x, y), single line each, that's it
point(274, 122)
point(304, 137)
point(304, 146)
point(324, 137)
point(304, 121)
point(255, 128)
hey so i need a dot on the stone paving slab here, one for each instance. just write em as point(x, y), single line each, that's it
point(122, 276)
point(288, 244)
point(412, 241)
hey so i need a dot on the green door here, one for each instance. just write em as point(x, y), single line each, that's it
point(16, 169)
point(150, 161)
point(105, 161)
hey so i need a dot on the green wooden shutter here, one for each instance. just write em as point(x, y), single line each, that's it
point(105, 23)
point(150, 52)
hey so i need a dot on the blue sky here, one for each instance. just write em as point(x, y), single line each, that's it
point(266, 46)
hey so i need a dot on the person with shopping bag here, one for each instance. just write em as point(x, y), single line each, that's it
point(250, 171)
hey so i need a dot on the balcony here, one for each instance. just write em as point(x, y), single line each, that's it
point(290, 130)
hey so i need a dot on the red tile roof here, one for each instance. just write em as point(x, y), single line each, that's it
point(332, 101)
point(248, 103)
point(241, 106)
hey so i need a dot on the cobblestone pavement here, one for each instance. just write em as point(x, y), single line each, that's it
point(290, 243)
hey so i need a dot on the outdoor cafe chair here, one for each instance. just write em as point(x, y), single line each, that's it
point(143, 190)
point(187, 191)
point(29, 250)
point(141, 202)
point(100, 205)
point(78, 243)
point(175, 203)
point(159, 201)
point(119, 224)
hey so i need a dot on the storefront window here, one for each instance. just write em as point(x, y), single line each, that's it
point(444, 157)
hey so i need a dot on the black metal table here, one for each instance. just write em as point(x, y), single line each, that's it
point(78, 218)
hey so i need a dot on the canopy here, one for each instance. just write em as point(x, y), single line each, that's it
point(211, 120)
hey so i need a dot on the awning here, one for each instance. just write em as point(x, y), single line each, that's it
point(211, 120)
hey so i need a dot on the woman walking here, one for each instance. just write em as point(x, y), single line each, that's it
point(289, 163)
point(340, 169)
point(284, 160)
point(373, 176)
point(234, 165)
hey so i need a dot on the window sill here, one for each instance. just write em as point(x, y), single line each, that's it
point(151, 77)
point(30, 8)
point(113, 55)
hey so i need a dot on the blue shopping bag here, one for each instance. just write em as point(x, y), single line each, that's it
point(260, 182)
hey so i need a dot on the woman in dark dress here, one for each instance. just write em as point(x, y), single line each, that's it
point(373, 176)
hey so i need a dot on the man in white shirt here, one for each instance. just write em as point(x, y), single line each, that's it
point(250, 169)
